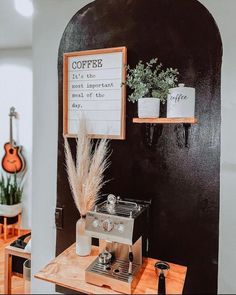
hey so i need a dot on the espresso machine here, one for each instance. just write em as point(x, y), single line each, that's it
point(122, 229)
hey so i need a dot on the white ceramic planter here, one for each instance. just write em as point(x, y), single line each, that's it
point(10, 210)
point(181, 102)
point(148, 107)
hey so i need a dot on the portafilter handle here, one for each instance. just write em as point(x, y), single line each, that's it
point(162, 269)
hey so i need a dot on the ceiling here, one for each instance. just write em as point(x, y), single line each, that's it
point(15, 29)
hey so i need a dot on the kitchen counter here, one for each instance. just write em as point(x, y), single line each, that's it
point(68, 270)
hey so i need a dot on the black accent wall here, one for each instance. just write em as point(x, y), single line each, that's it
point(153, 162)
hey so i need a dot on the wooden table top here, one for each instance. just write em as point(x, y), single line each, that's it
point(17, 252)
point(68, 270)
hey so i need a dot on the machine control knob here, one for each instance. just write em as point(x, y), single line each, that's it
point(107, 225)
point(121, 227)
point(111, 199)
point(95, 223)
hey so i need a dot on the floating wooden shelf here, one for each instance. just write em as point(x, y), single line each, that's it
point(191, 120)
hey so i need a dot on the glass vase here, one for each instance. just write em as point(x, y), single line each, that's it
point(83, 242)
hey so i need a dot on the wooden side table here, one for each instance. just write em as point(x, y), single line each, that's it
point(68, 271)
point(9, 252)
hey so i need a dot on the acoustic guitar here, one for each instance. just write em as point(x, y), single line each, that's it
point(13, 161)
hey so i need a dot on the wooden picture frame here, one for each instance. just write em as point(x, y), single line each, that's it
point(93, 89)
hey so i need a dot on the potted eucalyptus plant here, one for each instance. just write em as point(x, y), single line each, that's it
point(11, 190)
point(150, 84)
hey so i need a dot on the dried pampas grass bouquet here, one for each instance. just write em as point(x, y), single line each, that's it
point(85, 177)
point(86, 174)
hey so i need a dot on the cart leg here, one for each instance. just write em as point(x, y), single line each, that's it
point(7, 273)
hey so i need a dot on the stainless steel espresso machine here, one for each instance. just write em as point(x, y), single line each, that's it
point(121, 227)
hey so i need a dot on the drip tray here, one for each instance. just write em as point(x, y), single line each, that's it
point(118, 269)
point(114, 275)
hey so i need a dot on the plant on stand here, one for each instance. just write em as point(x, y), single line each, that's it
point(86, 180)
point(150, 85)
point(11, 190)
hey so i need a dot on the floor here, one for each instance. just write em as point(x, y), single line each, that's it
point(17, 283)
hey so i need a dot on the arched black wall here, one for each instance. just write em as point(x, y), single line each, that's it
point(183, 182)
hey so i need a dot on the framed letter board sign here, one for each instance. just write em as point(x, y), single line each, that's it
point(93, 90)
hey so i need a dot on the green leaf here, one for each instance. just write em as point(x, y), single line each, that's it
point(150, 80)
point(11, 189)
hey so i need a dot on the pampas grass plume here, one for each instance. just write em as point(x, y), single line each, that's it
point(86, 174)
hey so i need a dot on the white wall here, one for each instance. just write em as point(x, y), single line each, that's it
point(45, 44)
point(51, 18)
point(16, 90)
point(224, 14)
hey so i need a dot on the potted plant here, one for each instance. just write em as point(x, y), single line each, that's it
point(150, 85)
point(11, 190)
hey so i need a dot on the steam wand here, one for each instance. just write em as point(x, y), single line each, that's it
point(131, 258)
